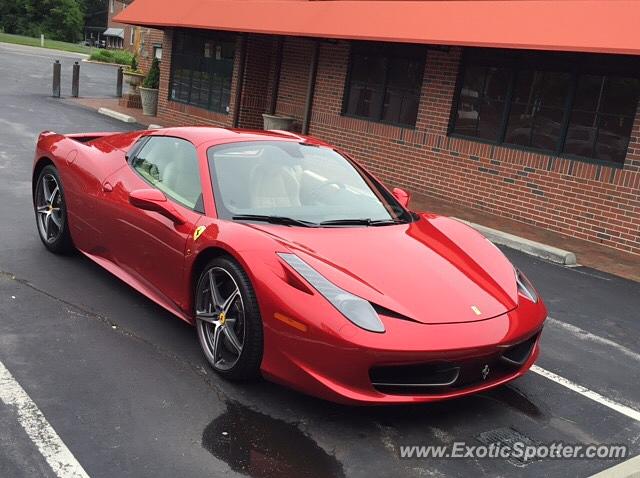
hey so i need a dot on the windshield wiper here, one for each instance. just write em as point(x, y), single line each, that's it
point(361, 222)
point(286, 221)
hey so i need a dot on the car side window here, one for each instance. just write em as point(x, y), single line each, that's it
point(171, 165)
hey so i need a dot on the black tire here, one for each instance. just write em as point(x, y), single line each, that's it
point(59, 240)
point(247, 364)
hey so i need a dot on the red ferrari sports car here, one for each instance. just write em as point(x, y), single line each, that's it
point(292, 261)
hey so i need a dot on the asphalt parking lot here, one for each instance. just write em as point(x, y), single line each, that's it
point(125, 387)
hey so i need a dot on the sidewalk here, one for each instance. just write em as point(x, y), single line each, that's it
point(112, 104)
point(588, 254)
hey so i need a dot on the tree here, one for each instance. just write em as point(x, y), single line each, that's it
point(65, 20)
point(12, 15)
point(95, 12)
point(57, 19)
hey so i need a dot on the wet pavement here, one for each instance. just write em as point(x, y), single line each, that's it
point(125, 386)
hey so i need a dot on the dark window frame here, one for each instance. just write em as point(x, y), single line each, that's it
point(575, 64)
point(387, 51)
point(217, 38)
point(139, 146)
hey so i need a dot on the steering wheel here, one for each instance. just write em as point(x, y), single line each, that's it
point(316, 193)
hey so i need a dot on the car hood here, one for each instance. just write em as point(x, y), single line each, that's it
point(435, 270)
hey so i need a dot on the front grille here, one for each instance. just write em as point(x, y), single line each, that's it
point(409, 378)
point(439, 377)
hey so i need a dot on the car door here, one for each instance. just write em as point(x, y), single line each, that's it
point(147, 244)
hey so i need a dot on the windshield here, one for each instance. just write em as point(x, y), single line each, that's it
point(294, 181)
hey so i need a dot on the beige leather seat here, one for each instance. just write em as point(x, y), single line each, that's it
point(181, 176)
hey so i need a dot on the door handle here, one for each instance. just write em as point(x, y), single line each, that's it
point(107, 187)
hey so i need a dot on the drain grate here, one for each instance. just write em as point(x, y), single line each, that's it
point(508, 437)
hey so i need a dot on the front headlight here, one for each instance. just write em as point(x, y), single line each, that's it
point(354, 308)
point(525, 287)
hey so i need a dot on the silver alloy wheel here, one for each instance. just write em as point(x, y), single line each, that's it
point(49, 208)
point(221, 318)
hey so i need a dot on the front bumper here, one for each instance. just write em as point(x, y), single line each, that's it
point(335, 360)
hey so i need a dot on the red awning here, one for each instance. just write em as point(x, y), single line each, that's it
point(608, 26)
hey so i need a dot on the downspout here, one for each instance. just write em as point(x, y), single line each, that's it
point(276, 77)
point(311, 86)
point(240, 83)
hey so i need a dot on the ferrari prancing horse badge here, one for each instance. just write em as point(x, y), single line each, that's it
point(198, 232)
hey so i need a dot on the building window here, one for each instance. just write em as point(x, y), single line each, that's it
point(157, 52)
point(384, 82)
point(574, 105)
point(201, 70)
point(132, 35)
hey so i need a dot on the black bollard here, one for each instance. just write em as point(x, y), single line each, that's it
point(56, 79)
point(75, 85)
point(119, 83)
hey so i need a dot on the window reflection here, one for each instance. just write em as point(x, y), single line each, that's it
point(556, 103)
point(384, 82)
point(537, 109)
point(482, 101)
point(602, 117)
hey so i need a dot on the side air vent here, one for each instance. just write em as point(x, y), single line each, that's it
point(518, 354)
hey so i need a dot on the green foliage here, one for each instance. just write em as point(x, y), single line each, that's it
point(134, 63)
point(121, 57)
point(56, 19)
point(95, 12)
point(153, 77)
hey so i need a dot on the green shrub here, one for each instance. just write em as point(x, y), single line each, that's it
point(153, 77)
point(121, 57)
point(134, 63)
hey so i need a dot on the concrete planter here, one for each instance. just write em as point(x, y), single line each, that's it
point(149, 101)
point(133, 81)
point(283, 123)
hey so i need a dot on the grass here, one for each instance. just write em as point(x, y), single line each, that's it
point(52, 44)
point(120, 57)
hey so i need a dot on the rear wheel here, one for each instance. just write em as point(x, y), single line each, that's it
point(51, 211)
point(228, 320)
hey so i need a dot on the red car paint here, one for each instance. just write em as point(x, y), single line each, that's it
point(427, 276)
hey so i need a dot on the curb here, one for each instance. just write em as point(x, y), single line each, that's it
point(533, 248)
point(116, 115)
point(86, 60)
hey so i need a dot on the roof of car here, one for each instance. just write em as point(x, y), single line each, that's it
point(209, 134)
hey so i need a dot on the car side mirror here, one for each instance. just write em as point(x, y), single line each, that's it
point(155, 200)
point(402, 196)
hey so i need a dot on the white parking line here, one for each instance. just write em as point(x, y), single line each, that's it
point(41, 433)
point(588, 336)
point(626, 469)
point(585, 392)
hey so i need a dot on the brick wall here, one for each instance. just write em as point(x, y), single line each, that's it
point(591, 202)
point(294, 76)
point(257, 87)
point(149, 38)
point(258, 80)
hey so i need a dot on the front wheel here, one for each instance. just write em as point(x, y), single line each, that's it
point(51, 211)
point(228, 320)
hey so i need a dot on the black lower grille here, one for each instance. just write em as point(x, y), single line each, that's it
point(440, 377)
point(409, 378)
